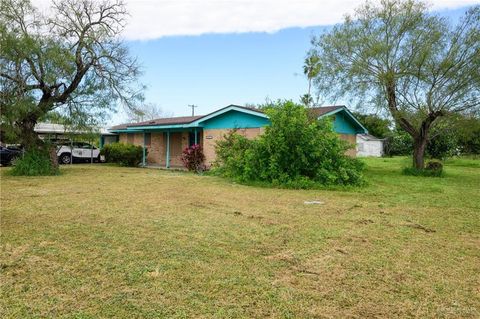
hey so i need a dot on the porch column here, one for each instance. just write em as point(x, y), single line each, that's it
point(195, 132)
point(167, 161)
point(143, 150)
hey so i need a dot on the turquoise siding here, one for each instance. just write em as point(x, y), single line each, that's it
point(344, 124)
point(235, 119)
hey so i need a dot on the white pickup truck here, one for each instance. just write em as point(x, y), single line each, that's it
point(80, 152)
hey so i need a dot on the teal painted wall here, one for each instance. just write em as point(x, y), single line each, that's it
point(344, 124)
point(235, 119)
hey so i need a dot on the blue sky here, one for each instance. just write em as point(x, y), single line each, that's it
point(214, 70)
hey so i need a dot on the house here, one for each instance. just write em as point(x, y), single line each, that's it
point(344, 123)
point(166, 138)
point(369, 145)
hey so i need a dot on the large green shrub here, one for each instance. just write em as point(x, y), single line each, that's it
point(443, 145)
point(294, 151)
point(398, 143)
point(35, 162)
point(123, 154)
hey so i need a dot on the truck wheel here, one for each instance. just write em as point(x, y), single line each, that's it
point(65, 158)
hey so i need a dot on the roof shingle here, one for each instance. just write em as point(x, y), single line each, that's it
point(167, 121)
point(319, 111)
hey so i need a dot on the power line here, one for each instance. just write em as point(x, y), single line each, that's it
point(193, 106)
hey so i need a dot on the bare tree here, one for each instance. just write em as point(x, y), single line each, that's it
point(73, 63)
point(145, 112)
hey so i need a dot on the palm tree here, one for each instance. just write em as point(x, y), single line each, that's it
point(311, 68)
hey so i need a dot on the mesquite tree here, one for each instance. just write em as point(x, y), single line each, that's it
point(398, 56)
point(71, 62)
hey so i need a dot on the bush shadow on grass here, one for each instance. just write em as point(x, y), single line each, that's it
point(412, 171)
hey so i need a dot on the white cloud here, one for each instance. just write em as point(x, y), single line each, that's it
point(152, 19)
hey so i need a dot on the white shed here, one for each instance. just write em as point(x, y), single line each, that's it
point(369, 145)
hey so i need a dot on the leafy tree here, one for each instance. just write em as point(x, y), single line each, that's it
point(376, 125)
point(306, 99)
point(443, 145)
point(72, 63)
point(398, 143)
point(467, 129)
point(398, 56)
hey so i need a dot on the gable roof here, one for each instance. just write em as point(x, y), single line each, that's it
point(323, 111)
point(186, 121)
point(232, 107)
point(369, 137)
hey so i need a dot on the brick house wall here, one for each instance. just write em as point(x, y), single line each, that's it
point(210, 137)
point(351, 139)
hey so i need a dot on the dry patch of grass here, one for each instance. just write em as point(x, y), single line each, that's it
point(103, 241)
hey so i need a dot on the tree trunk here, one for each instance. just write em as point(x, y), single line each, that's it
point(419, 146)
point(52, 152)
point(309, 89)
point(28, 138)
point(420, 137)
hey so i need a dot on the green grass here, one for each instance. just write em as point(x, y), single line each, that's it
point(104, 241)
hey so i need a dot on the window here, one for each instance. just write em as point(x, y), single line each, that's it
point(130, 138)
point(148, 139)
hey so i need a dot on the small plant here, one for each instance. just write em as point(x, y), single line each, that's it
point(193, 158)
point(123, 154)
point(433, 168)
point(34, 163)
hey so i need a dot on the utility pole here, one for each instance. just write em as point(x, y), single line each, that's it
point(193, 106)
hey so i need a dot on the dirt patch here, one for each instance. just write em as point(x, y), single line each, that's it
point(420, 227)
point(364, 221)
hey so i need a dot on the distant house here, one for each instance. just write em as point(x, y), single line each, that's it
point(369, 146)
point(344, 123)
point(59, 132)
point(166, 138)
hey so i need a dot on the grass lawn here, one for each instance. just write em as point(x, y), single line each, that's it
point(102, 241)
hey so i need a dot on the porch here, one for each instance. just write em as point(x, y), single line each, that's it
point(162, 148)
